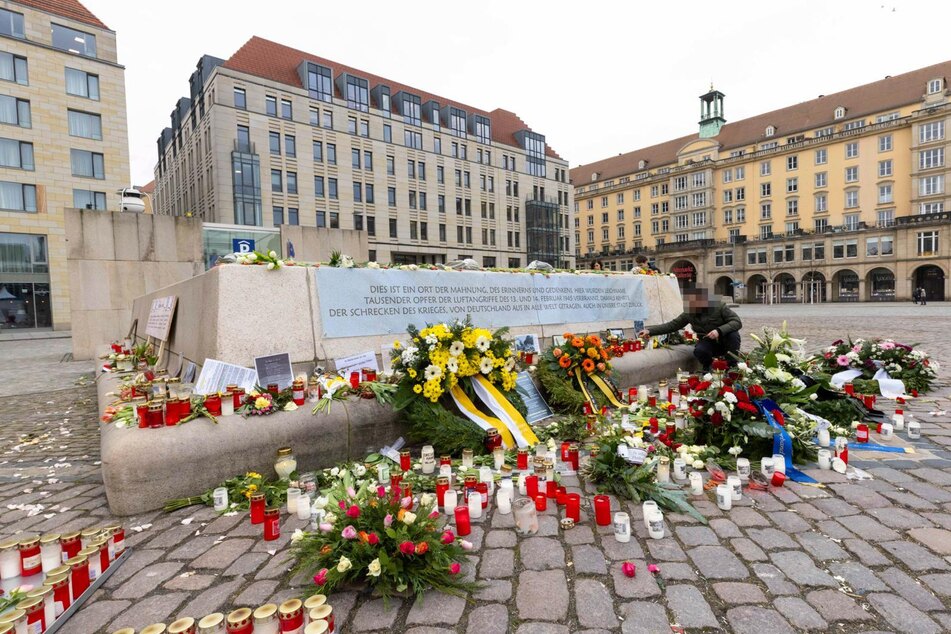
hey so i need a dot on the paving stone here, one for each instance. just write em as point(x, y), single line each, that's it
point(192, 547)
point(224, 523)
point(542, 595)
point(800, 613)
point(835, 606)
point(716, 562)
point(747, 517)
point(754, 620)
point(912, 589)
point(785, 496)
point(95, 616)
point(861, 579)
point(934, 476)
point(748, 550)
point(891, 475)
point(868, 528)
point(497, 563)
point(257, 593)
point(276, 567)
point(902, 615)
point(488, 619)
point(247, 564)
point(910, 500)
point(373, 615)
point(223, 555)
point(678, 572)
point(503, 521)
point(733, 592)
point(831, 528)
point(725, 528)
point(215, 599)
point(860, 496)
point(801, 569)
point(929, 492)
point(541, 553)
point(146, 579)
point(541, 628)
point(941, 519)
point(436, 608)
point(191, 582)
point(809, 511)
point(697, 536)
point(666, 550)
point(790, 522)
point(154, 609)
point(937, 539)
point(580, 535)
point(500, 539)
point(430, 630)
point(900, 518)
point(641, 586)
point(940, 583)
point(588, 560)
point(690, 609)
point(836, 507)
point(494, 590)
point(548, 526)
point(916, 557)
point(618, 551)
point(643, 617)
point(867, 553)
point(821, 547)
point(596, 608)
point(137, 560)
point(770, 538)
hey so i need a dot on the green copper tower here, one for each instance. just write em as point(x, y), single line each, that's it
point(711, 113)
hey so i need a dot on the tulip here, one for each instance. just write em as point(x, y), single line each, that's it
point(321, 577)
point(381, 491)
point(466, 544)
point(628, 569)
point(454, 568)
point(448, 537)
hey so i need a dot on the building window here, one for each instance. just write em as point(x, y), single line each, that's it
point(85, 199)
point(368, 160)
point(332, 191)
point(387, 133)
point(441, 203)
point(822, 156)
point(839, 113)
point(277, 184)
point(927, 243)
point(931, 185)
point(765, 190)
point(18, 154)
point(765, 168)
point(355, 158)
point(290, 145)
point(931, 208)
point(352, 125)
point(334, 220)
point(17, 197)
point(821, 225)
point(885, 143)
point(358, 94)
point(765, 211)
point(851, 174)
point(287, 109)
point(270, 105)
point(391, 196)
point(321, 218)
point(792, 162)
point(357, 192)
point(73, 41)
point(822, 180)
point(822, 203)
point(85, 125)
point(240, 96)
point(292, 182)
point(928, 159)
point(413, 139)
point(277, 213)
point(274, 142)
point(885, 194)
point(318, 151)
point(935, 86)
point(320, 82)
point(331, 153)
point(886, 217)
point(371, 226)
point(319, 187)
point(792, 185)
point(885, 168)
point(766, 232)
point(11, 24)
point(852, 221)
point(851, 150)
point(933, 131)
point(792, 207)
point(851, 199)
point(87, 164)
point(80, 83)
point(328, 119)
point(364, 128)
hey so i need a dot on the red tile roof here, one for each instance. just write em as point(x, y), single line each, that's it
point(877, 97)
point(72, 9)
point(277, 62)
point(148, 188)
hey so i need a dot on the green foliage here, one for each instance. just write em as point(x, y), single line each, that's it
point(433, 424)
point(571, 428)
point(562, 394)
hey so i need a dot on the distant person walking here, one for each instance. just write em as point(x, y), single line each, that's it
point(914, 295)
point(923, 296)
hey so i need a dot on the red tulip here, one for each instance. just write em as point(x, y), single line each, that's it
point(454, 568)
point(321, 577)
point(628, 569)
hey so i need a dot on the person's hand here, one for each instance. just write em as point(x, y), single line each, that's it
point(644, 334)
point(713, 334)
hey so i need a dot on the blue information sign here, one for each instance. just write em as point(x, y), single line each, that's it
point(242, 245)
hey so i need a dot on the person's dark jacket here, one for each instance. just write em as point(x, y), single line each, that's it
point(717, 316)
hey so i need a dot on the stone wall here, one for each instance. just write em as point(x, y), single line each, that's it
point(114, 258)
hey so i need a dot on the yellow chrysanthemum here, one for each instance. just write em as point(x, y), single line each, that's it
point(417, 388)
point(411, 372)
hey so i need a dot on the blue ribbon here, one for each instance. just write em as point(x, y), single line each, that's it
point(782, 443)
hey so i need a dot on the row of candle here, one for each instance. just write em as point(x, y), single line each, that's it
point(310, 616)
point(70, 562)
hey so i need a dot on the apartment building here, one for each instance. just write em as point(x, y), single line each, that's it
point(63, 143)
point(274, 136)
point(840, 198)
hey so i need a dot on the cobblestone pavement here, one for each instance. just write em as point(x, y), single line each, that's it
point(864, 556)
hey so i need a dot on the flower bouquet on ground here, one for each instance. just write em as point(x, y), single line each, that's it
point(903, 362)
point(240, 489)
point(725, 416)
point(376, 536)
point(577, 372)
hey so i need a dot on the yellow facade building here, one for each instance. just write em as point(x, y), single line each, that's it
point(840, 198)
point(63, 144)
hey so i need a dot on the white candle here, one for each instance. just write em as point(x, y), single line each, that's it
point(696, 483)
point(655, 526)
point(736, 487)
point(521, 484)
point(428, 459)
point(675, 399)
point(887, 431)
point(663, 469)
point(642, 394)
point(824, 437)
point(292, 494)
point(450, 501)
point(526, 517)
point(899, 421)
point(743, 468)
point(779, 462)
point(648, 507)
point(503, 500)
point(622, 527)
point(825, 459)
point(220, 497)
point(914, 429)
point(227, 404)
point(725, 497)
point(383, 474)
point(766, 466)
point(303, 507)
point(498, 457)
point(680, 469)
point(475, 505)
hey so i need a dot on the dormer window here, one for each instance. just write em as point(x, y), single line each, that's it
point(770, 130)
point(594, 176)
point(935, 86)
point(641, 164)
point(839, 113)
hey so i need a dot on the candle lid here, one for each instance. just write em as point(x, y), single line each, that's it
point(7, 628)
point(316, 627)
point(86, 552)
point(89, 532)
point(49, 538)
point(257, 496)
point(155, 628)
point(125, 630)
point(321, 612)
point(54, 580)
point(77, 561)
point(29, 540)
point(57, 571)
point(216, 618)
point(284, 451)
point(181, 625)
point(175, 379)
point(29, 603)
point(39, 592)
point(239, 616)
point(9, 544)
point(266, 611)
point(289, 607)
point(12, 616)
point(271, 511)
point(567, 523)
point(314, 601)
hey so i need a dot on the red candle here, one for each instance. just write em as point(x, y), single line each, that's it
point(565, 448)
point(273, 388)
point(631, 394)
point(142, 411)
point(573, 457)
point(869, 401)
point(573, 507)
point(671, 430)
point(238, 395)
point(78, 575)
point(654, 425)
point(172, 413)
point(587, 408)
point(30, 556)
point(257, 508)
point(406, 461)
point(529, 358)
point(354, 380)
point(298, 392)
point(541, 502)
point(551, 489)
point(445, 460)
point(861, 433)
point(522, 460)
point(778, 478)
point(531, 486)
point(463, 523)
point(155, 417)
point(602, 510)
point(371, 374)
point(213, 404)
point(652, 400)
point(442, 485)
point(561, 496)
point(638, 345)
point(185, 407)
point(272, 524)
point(61, 595)
point(483, 489)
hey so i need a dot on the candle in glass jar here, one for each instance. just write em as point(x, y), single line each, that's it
point(483, 489)
point(522, 484)
point(642, 394)
point(78, 575)
point(531, 486)
point(573, 507)
point(467, 458)
point(779, 462)
point(463, 521)
point(51, 552)
point(257, 508)
point(406, 460)
point(648, 507)
point(220, 497)
point(293, 493)
point(9, 559)
point(526, 517)
point(541, 502)
point(602, 510)
point(914, 429)
point(450, 500)
point(239, 621)
point(290, 614)
point(767, 467)
point(680, 469)
point(227, 404)
point(212, 624)
point(823, 437)
point(551, 488)
point(696, 483)
point(622, 527)
point(725, 496)
point(655, 525)
point(825, 459)
point(503, 501)
point(303, 507)
point(474, 501)
point(498, 457)
point(736, 486)
point(743, 468)
point(31, 562)
point(272, 524)
point(663, 469)
point(237, 397)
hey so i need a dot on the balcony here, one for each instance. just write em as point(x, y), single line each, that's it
point(686, 245)
point(942, 217)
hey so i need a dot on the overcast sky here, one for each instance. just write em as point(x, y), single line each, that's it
point(597, 78)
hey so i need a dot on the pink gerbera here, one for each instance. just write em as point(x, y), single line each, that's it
point(842, 360)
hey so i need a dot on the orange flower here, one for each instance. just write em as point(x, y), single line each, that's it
point(602, 367)
point(593, 352)
point(577, 342)
point(422, 548)
point(604, 354)
point(564, 361)
point(399, 516)
point(325, 550)
point(556, 352)
point(364, 537)
point(588, 365)
point(594, 340)
point(568, 336)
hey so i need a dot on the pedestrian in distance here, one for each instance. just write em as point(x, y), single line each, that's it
point(914, 295)
point(923, 296)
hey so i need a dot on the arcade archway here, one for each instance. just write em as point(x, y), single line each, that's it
point(930, 278)
point(880, 285)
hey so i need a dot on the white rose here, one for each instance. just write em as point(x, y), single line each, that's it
point(272, 254)
point(374, 265)
point(321, 502)
point(426, 499)
point(335, 471)
point(297, 536)
point(409, 518)
point(697, 464)
point(359, 470)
